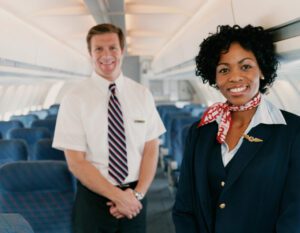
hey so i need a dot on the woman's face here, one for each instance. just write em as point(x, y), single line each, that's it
point(238, 75)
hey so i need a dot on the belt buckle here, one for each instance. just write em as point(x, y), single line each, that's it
point(124, 186)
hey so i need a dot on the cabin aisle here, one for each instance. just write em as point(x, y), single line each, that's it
point(160, 203)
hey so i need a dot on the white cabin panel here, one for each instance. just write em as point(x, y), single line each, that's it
point(17, 40)
point(268, 13)
point(22, 42)
point(185, 44)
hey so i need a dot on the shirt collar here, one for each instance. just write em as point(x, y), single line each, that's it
point(103, 84)
point(268, 114)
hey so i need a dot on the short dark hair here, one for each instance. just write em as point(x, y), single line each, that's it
point(103, 29)
point(254, 39)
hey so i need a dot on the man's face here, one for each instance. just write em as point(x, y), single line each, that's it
point(106, 55)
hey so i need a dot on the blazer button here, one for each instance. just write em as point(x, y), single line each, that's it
point(222, 205)
point(222, 183)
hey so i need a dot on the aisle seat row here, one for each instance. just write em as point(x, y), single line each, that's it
point(28, 143)
point(37, 191)
point(17, 150)
point(177, 122)
point(31, 120)
point(28, 119)
point(36, 197)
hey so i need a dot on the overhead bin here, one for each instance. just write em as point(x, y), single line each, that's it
point(281, 16)
point(185, 44)
point(30, 47)
point(268, 13)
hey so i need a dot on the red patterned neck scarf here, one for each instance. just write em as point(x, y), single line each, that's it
point(224, 111)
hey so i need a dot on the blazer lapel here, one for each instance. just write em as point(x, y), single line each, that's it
point(205, 145)
point(247, 151)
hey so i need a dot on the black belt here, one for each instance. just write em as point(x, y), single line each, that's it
point(131, 185)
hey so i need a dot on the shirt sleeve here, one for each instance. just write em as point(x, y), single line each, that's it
point(155, 126)
point(69, 130)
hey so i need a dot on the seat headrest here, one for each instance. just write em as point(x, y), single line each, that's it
point(35, 176)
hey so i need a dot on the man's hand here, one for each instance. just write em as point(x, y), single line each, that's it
point(114, 211)
point(126, 206)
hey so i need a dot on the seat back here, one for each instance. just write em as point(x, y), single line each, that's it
point(14, 223)
point(195, 109)
point(164, 108)
point(6, 126)
point(170, 117)
point(47, 123)
point(41, 114)
point(43, 151)
point(53, 109)
point(51, 117)
point(177, 145)
point(41, 191)
point(12, 150)
point(30, 135)
point(25, 119)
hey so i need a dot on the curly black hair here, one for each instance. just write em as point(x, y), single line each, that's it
point(254, 39)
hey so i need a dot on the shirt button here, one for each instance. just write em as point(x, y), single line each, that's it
point(222, 205)
point(222, 183)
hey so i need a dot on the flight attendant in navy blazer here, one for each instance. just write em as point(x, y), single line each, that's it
point(241, 167)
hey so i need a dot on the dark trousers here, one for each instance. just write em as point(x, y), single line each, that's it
point(91, 215)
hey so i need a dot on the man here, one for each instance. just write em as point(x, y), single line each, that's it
point(108, 127)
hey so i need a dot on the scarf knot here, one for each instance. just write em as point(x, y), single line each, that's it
point(223, 110)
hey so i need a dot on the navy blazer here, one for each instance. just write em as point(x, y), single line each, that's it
point(262, 193)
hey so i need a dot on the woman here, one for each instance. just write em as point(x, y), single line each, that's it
point(241, 166)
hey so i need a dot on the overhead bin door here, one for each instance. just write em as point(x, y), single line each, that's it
point(268, 13)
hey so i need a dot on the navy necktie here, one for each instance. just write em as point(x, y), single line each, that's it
point(117, 163)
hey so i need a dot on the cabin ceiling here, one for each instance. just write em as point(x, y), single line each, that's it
point(148, 24)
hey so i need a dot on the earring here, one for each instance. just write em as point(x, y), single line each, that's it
point(262, 78)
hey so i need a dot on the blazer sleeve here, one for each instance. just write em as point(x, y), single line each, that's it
point(184, 216)
point(289, 218)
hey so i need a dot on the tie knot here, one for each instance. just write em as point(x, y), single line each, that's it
point(112, 88)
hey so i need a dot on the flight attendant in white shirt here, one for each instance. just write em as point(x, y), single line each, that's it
point(104, 204)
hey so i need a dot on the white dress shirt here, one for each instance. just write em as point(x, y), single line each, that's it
point(82, 123)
